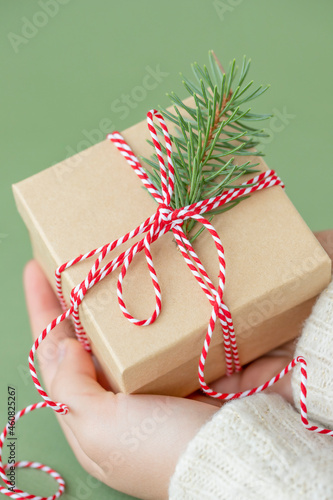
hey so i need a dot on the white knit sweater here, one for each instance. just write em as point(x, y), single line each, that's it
point(257, 447)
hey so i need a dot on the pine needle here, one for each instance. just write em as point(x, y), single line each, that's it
point(215, 128)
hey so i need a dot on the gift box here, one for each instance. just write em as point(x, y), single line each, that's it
point(275, 268)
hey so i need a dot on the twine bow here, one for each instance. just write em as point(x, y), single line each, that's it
point(165, 219)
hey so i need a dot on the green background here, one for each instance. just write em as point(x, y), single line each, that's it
point(62, 80)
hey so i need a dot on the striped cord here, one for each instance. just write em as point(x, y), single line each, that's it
point(9, 490)
point(165, 219)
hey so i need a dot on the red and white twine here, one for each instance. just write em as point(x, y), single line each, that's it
point(165, 219)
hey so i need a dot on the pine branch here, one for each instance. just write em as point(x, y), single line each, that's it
point(211, 135)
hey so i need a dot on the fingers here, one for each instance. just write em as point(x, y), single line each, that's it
point(43, 306)
point(67, 369)
point(285, 350)
point(265, 368)
point(325, 238)
point(75, 381)
point(86, 462)
point(225, 384)
point(255, 374)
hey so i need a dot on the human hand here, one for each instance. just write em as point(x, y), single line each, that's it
point(137, 439)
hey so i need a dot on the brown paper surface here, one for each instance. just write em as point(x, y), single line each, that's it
point(274, 265)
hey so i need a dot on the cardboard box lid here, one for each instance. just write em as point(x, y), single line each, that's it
point(95, 197)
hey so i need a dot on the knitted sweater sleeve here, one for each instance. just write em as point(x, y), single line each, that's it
point(316, 346)
point(257, 447)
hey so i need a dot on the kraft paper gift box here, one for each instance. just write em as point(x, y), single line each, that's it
point(274, 270)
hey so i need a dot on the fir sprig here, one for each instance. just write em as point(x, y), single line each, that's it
point(210, 135)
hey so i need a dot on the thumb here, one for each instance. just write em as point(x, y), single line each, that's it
point(74, 382)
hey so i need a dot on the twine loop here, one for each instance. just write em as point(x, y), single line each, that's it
point(165, 219)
